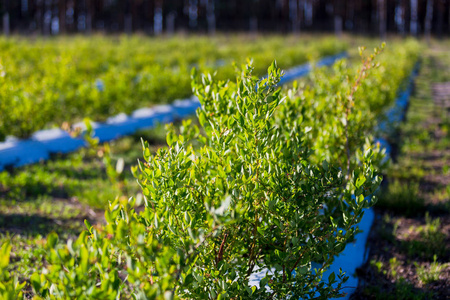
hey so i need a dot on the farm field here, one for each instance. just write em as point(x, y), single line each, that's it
point(67, 79)
point(333, 112)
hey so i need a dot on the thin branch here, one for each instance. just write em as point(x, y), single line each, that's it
point(221, 249)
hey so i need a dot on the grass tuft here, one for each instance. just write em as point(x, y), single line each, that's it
point(402, 198)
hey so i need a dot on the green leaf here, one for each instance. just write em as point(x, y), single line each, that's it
point(52, 240)
point(331, 278)
point(170, 138)
point(5, 252)
point(188, 280)
point(88, 225)
point(278, 267)
point(156, 222)
point(360, 181)
point(35, 280)
point(187, 217)
point(202, 117)
point(147, 154)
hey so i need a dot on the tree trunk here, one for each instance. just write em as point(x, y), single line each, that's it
point(338, 12)
point(211, 17)
point(382, 18)
point(6, 19)
point(440, 16)
point(293, 16)
point(90, 16)
point(350, 14)
point(47, 19)
point(400, 17)
point(254, 18)
point(158, 18)
point(6, 29)
point(62, 15)
point(309, 12)
point(170, 22)
point(413, 28)
point(428, 19)
point(193, 13)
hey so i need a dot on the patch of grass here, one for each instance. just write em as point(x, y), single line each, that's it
point(27, 255)
point(429, 274)
point(378, 265)
point(446, 170)
point(394, 264)
point(442, 195)
point(400, 290)
point(402, 198)
point(406, 169)
point(387, 289)
point(384, 231)
point(431, 240)
point(26, 223)
point(43, 215)
point(82, 175)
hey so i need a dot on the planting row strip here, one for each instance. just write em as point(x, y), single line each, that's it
point(355, 254)
point(396, 114)
point(17, 153)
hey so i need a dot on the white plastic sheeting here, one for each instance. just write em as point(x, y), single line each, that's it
point(184, 108)
point(57, 140)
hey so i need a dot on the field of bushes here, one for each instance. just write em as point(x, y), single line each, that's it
point(45, 82)
point(262, 178)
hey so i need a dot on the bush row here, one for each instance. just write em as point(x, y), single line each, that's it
point(46, 82)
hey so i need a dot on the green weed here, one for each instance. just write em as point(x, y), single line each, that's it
point(400, 290)
point(402, 198)
point(431, 240)
point(429, 274)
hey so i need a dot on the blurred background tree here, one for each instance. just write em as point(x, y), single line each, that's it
point(375, 17)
